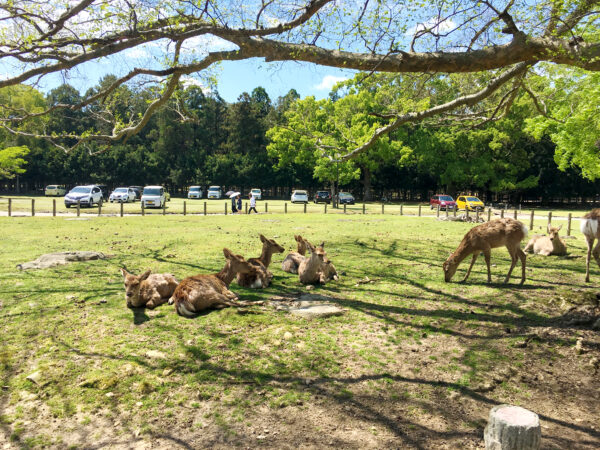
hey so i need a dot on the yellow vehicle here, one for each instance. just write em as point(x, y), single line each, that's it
point(470, 202)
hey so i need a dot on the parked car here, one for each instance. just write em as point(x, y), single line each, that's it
point(138, 191)
point(122, 195)
point(55, 190)
point(322, 197)
point(104, 189)
point(299, 197)
point(84, 195)
point(346, 198)
point(195, 192)
point(472, 203)
point(445, 202)
point(214, 192)
point(256, 193)
point(153, 197)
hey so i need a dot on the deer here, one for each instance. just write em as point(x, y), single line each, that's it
point(201, 292)
point(292, 260)
point(483, 238)
point(547, 245)
point(262, 277)
point(148, 290)
point(589, 227)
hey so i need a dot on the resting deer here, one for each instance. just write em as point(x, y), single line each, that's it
point(148, 290)
point(200, 292)
point(483, 238)
point(292, 260)
point(589, 228)
point(547, 245)
point(262, 277)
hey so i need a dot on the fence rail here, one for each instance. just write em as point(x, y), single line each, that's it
point(42, 206)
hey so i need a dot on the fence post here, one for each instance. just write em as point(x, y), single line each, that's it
point(325, 208)
point(455, 208)
point(569, 225)
point(477, 215)
point(401, 212)
point(78, 207)
point(32, 207)
point(165, 207)
point(502, 213)
point(184, 208)
point(305, 208)
point(516, 214)
point(245, 207)
point(531, 220)
point(550, 218)
point(225, 208)
point(285, 207)
point(143, 211)
point(344, 208)
point(489, 214)
point(467, 212)
point(204, 208)
point(419, 210)
point(9, 207)
point(121, 209)
point(266, 207)
point(364, 208)
point(438, 210)
point(446, 212)
point(53, 207)
point(100, 208)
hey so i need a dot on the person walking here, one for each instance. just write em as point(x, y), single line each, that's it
point(252, 204)
point(239, 203)
point(233, 208)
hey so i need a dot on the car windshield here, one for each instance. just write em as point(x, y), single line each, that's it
point(151, 191)
point(473, 199)
point(345, 195)
point(214, 188)
point(80, 190)
point(446, 198)
point(323, 193)
point(300, 193)
point(194, 189)
point(121, 190)
point(255, 191)
point(51, 187)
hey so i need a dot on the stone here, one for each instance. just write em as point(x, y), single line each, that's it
point(155, 354)
point(579, 346)
point(317, 311)
point(512, 428)
point(287, 335)
point(35, 377)
point(60, 258)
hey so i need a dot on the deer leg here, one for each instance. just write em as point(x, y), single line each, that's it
point(514, 257)
point(487, 254)
point(590, 243)
point(475, 255)
point(521, 254)
point(596, 253)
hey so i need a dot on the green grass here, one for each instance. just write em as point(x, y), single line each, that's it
point(407, 325)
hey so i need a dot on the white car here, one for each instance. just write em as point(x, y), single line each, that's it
point(122, 195)
point(299, 197)
point(84, 195)
point(55, 190)
point(153, 197)
point(214, 192)
point(256, 193)
point(195, 192)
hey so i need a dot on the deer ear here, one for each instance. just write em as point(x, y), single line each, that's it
point(124, 272)
point(559, 227)
point(262, 238)
point(145, 275)
point(322, 245)
point(227, 253)
point(310, 246)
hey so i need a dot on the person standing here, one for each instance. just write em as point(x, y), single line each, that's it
point(239, 203)
point(233, 208)
point(252, 204)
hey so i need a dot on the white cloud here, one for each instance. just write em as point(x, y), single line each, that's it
point(432, 24)
point(206, 43)
point(188, 81)
point(328, 82)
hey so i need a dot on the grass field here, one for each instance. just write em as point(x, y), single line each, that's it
point(413, 363)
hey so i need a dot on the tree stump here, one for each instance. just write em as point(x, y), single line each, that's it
point(512, 428)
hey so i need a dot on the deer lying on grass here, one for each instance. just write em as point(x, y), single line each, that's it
point(483, 238)
point(547, 245)
point(148, 290)
point(316, 269)
point(262, 277)
point(200, 292)
point(589, 228)
point(292, 260)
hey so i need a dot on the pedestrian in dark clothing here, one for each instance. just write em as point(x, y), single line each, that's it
point(239, 203)
point(252, 204)
point(233, 208)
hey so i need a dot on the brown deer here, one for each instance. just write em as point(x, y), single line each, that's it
point(483, 238)
point(547, 245)
point(310, 270)
point(262, 277)
point(589, 228)
point(148, 290)
point(292, 260)
point(200, 292)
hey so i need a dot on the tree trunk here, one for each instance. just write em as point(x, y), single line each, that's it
point(366, 182)
point(512, 428)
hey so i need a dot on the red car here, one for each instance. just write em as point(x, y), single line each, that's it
point(445, 202)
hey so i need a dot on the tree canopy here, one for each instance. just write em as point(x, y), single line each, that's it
point(499, 42)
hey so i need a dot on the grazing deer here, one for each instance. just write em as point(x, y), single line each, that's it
point(262, 277)
point(547, 245)
point(148, 290)
point(292, 260)
point(483, 238)
point(200, 292)
point(589, 228)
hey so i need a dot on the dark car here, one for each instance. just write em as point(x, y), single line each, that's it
point(346, 198)
point(138, 191)
point(445, 202)
point(322, 197)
